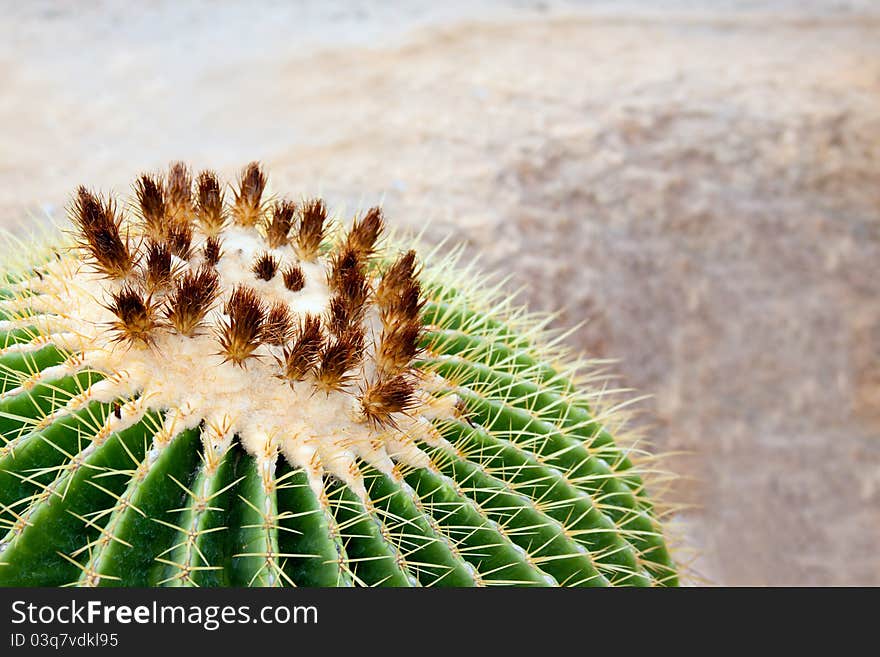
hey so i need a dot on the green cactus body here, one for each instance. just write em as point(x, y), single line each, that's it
point(170, 416)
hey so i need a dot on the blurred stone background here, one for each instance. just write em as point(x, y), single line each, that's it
point(700, 182)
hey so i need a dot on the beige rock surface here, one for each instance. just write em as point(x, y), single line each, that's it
point(702, 188)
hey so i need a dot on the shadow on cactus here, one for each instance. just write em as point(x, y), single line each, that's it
point(219, 389)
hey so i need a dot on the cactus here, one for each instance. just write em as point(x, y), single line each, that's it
point(213, 391)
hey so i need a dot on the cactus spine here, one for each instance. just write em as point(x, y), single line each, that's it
point(210, 391)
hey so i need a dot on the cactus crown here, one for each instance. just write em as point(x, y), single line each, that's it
point(257, 331)
point(353, 424)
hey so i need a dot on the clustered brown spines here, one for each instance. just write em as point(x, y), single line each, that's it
point(157, 272)
point(280, 223)
point(265, 266)
point(193, 295)
point(339, 317)
point(212, 251)
point(398, 346)
point(294, 279)
point(329, 349)
point(136, 316)
point(150, 193)
point(344, 264)
point(242, 331)
point(301, 355)
point(178, 193)
point(166, 208)
point(398, 295)
point(347, 279)
point(400, 306)
point(398, 277)
point(179, 239)
point(383, 398)
point(99, 225)
point(247, 208)
point(364, 233)
point(312, 228)
point(210, 212)
point(350, 292)
point(339, 357)
point(278, 326)
point(399, 291)
point(403, 307)
point(354, 288)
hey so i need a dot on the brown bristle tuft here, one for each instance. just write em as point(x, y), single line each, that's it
point(247, 209)
point(383, 398)
point(265, 266)
point(403, 307)
point(294, 279)
point(179, 240)
point(212, 251)
point(241, 333)
point(349, 282)
point(158, 272)
point(178, 193)
point(299, 358)
point(365, 233)
point(99, 235)
point(339, 356)
point(279, 324)
point(397, 278)
point(339, 316)
point(278, 228)
point(398, 346)
point(211, 214)
point(312, 227)
point(192, 298)
point(345, 267)
point(151, 199)
point(355, 289)
point(136, 316)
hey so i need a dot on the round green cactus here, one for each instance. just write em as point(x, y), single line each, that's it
point(213, 392)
